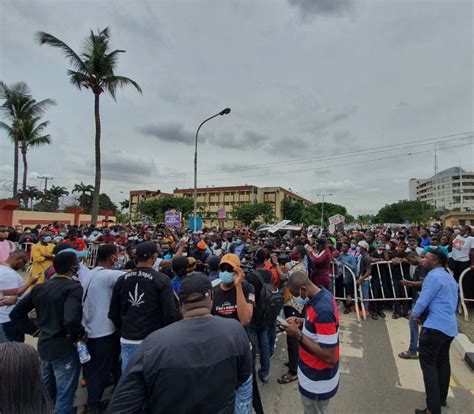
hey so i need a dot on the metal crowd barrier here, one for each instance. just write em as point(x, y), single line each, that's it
point(27, 248)
point(462, 298)
point(335, 275)
point(91, 258)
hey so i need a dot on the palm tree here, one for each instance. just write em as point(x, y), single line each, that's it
point(124, 204)
point(85, 190)
point(18, 107)
point(94, 70)
point(55, 193)
point(29, 195)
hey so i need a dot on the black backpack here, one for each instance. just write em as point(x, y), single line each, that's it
point(270, 302)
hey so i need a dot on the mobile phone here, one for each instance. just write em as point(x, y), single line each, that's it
point(282, 321)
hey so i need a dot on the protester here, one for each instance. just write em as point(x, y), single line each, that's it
point(105, 237)
point(180, 266)
point(320, 262)
point(103, 343)
point(213, 267)
point(142, 302)
point(347, 259)
point(21, 389)
point(75, 242)
point(435, 245)
point(6, 246)
point(462, 254)
point(42, 256)
point(439, 298)
point(317, 333)
point(58, 308)
point(11, 284)
point(365, 275)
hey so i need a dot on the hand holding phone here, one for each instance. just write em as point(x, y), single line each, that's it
point(282, 321)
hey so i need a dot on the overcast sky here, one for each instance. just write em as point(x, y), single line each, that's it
point(306, 80)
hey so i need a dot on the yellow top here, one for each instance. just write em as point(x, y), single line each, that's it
point(40, 263)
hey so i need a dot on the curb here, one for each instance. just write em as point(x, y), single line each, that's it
point(465, 348)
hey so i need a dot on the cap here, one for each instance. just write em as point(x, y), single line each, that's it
point(363, 244)
point(213, 262)
point(145, 250)
point(196, 284)
point(231, 259)
point(201, 245)
point(70, 250)
point(179, 263)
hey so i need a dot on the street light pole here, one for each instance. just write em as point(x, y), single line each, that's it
point(223, 112)
point(322, 208)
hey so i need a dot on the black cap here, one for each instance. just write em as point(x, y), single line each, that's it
point(179, 263)
point(145, 250)
point(195, 283)
point(213, 262)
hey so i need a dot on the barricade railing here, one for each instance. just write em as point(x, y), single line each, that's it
point(27, 248)
point(91, 258)
point(344, 271)
point(462, 298)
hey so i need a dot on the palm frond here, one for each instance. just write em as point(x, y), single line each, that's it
point(48, 39)
point(39, 141)
point(111, 83)
point(79, 79)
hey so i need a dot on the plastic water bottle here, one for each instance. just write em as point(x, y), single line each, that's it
point(83, 352)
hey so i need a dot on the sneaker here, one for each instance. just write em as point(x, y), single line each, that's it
point(382, 314)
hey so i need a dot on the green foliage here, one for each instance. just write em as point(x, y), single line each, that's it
point(365, 219)
point(247, 213)
point(293, 210)
point(155, 208)
point(105, 203)
point(405, 210)
point(85, 198)
point(124, 204)
point(312, 214)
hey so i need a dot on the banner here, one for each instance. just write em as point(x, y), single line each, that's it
point(337, 219)
point(221, 214)
point(173, 218)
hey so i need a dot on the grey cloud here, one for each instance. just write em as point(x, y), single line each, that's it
point(249, 140)
point(308, 8)
point(289, 147)
point(170, 132)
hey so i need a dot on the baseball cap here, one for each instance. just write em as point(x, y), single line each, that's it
point(231, 259)
point(213, 262)
point(179, 263)
point(201, 245)
point(363, 244)
point(195, 284)
point(80, 254)
point(145, 250)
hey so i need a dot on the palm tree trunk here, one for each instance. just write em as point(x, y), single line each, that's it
point(15, 169)
point(95, 197)
point(25, 174)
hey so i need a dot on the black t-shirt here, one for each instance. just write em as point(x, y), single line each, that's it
point(225, 301)
point(192, 366)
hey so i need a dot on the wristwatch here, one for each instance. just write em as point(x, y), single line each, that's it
point(300, 337)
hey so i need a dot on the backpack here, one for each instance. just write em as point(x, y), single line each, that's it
point(270, 301)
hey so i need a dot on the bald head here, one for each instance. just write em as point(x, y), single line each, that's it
point(17, 259)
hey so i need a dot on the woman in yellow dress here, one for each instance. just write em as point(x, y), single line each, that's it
point(42, 256)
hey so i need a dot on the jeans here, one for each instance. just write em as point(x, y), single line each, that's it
point(314, 406)
point(271, 338)
point(243, 398)
point(98, 371)
point(264, 349)
point(127, 353)
point(414, 333)
point(365, 288)
point(3, 338)
point(434, 362)
point(292, 344)
point(12, 333)
point(60, 378)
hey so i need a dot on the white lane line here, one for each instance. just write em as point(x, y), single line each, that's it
point(410, 376)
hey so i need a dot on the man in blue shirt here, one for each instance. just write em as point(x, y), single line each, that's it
point(348, 259)
point(439, 298)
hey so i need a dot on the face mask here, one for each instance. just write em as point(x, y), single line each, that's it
point(62, 234)
point(28, 231)
point(357, 249)
point(238, 241)
point(226, 277)
point(47, 239)
point(139, 240)
point(302, 301)
point(353, 246)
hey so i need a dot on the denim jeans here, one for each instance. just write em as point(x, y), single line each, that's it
point(271, 338)
point(127, 353)
point(60, 378)
point(263, 339)
point(365, 288)
point(243, 398)
point(414, 333)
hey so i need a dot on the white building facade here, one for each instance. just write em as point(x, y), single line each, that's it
point(451, 189)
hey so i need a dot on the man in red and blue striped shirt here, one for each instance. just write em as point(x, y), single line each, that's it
point(317, 333)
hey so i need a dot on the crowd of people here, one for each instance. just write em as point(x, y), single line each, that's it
point(184, 322)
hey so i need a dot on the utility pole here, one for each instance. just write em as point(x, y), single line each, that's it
point(46, 179)
point(435, 160)
point(322, 208)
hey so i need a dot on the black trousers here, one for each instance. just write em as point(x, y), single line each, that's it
point(256, 400)
point(434, 361)
point(98, 371)
point(292, 343)
point(468, 282)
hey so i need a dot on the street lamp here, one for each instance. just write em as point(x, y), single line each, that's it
point(322, 208)
point(223, 112)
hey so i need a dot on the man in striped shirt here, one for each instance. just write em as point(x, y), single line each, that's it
point(317, 333)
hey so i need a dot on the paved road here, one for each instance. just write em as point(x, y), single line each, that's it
point(373, 378)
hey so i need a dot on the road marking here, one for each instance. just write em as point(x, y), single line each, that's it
point(410, 376)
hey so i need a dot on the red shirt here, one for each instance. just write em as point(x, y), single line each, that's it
point(78, 242)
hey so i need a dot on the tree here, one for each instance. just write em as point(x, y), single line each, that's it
point(86, 192)
point(312, 214)
point(94, 69)
point(155, 208)
point(29, 195)
point(19, 106)
point(106, 204)
point(366, 219)
point(54, 194)
point(31, 135)
point(247, 213)
point(292, 210)
point(124, 204)
point(405, 210)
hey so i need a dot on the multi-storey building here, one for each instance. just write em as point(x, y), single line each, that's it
point(451, 189)
point(139, 196)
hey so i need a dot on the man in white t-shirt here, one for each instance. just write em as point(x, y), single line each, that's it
point(462, 257)
point(12, 286)
point(6, 246)
point(103, 343)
